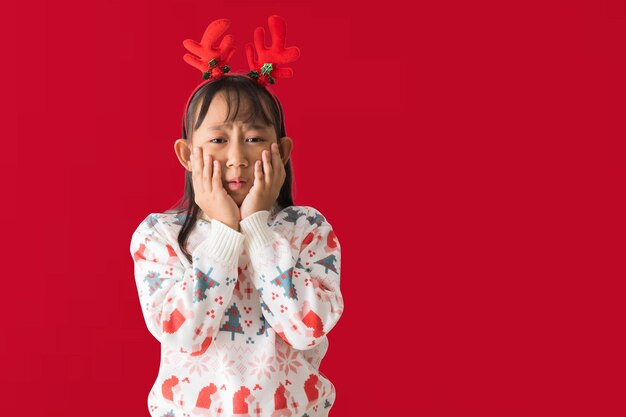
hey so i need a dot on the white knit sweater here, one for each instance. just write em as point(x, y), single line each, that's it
point(243, 326)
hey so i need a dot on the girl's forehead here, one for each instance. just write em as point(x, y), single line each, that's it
point(255, 125)
point(216, 120)
point(218, 110)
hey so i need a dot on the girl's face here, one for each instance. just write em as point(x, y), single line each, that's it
point(235, 146)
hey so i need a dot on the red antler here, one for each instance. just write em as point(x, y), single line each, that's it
point(211, 61)
point(266, 67)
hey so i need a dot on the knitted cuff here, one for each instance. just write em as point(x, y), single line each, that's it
point(223, 243)
point(256, 231)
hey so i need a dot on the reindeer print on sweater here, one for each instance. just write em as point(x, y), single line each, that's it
point(243, 327)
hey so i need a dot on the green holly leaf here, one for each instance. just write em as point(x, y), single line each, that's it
point(266, 68)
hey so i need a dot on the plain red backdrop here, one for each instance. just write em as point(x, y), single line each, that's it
point(469, 155)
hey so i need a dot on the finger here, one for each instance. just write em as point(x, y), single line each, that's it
point(279, 166)
point(258, 175)
point(276, 159)
point(206, 171)
point(267, 168)
point(277, 163)
point(217, 175)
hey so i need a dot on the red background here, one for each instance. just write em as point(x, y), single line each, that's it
point(469, 155)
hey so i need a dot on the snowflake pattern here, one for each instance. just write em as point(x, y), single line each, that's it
point(288, 361)
point(261, 366)
point(197, 364)
point(171, 357)
point(225, 366)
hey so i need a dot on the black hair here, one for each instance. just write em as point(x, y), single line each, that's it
point(255, 94)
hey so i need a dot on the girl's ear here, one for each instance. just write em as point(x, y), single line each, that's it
point(285, 145)
point(183, 153)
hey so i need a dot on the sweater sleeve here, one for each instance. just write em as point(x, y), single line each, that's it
point(301, 298)
point(182, 306)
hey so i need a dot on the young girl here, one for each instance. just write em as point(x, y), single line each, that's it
point(239, 285)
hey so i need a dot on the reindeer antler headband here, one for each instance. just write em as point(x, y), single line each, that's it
point(213, 62)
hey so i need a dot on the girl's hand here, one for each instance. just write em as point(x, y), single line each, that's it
point(209, 192)
point(269, 177)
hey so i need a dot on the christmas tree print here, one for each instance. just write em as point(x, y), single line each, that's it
point(292, 215)
point(154, 281)
point(203, 283)
point(317, 219)
point(180, 218)
point(232, 325)
point(299, 265)
point(265, 307)
point(151, 220)
point(328, 263)
point(283, 280)
point(264, 326)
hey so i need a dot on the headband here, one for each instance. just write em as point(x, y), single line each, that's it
point(213, 62)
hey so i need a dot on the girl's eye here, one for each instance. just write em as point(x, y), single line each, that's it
point(258, 140)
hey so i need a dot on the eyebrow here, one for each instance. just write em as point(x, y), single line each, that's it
point(248, 125)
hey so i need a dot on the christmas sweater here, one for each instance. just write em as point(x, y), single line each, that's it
point(243, 327)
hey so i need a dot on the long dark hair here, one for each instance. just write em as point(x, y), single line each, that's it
point(256, 95)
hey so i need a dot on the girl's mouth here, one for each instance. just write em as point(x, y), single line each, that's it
point(235, 185)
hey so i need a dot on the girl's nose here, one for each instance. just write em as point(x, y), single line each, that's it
point(231, 164)
point(236, 161)
point(236, 157)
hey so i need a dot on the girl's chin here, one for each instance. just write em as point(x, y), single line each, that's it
point(238, 195)
point(237, 199)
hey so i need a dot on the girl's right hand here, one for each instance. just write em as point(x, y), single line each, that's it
point(210, 195)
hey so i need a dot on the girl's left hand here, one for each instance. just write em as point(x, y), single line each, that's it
point(269, 176)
